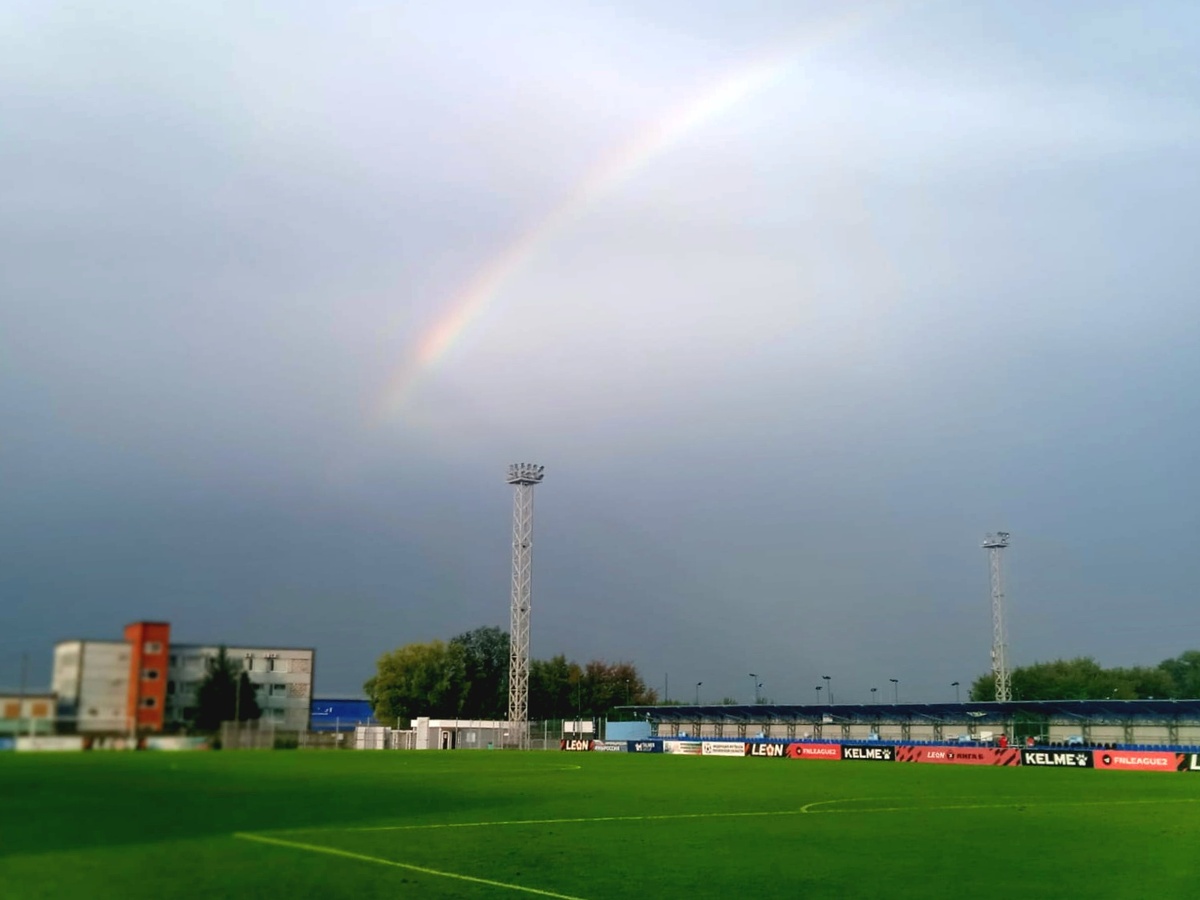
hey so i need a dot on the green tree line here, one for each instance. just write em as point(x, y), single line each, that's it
point(467, 678)
point(1085, 679)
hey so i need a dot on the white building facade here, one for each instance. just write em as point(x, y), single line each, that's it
point(282, 678)
point(91, 681)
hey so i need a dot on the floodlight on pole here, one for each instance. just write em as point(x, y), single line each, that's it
point(523, 477)
point(698, 683)
point(818, 690)
point(829, 685)
point(954, 684)
point(756, 687)
point(896, 686)
point(874, 699)
point(994, 545)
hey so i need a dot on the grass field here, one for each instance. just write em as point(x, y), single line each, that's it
point(506, 824)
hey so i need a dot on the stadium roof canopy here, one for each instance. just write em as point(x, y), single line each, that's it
point(1083, 710)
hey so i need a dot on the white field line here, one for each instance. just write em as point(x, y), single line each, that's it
point(807, 809)
point(362, 857)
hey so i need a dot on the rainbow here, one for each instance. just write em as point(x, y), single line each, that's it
point(477, 295)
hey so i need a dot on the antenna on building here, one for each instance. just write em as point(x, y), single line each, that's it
point(523, 477)
point(995, 545)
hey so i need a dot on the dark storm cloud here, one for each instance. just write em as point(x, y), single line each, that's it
point(784, 373)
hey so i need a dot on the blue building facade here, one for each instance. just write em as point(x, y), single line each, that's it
point(341, 715)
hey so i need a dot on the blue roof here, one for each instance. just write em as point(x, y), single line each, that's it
point(1084, 710)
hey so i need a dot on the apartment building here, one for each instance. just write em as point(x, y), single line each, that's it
point(147, 684)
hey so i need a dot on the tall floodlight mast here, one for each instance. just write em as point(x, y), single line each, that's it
point(995, 545)
point(522, 476)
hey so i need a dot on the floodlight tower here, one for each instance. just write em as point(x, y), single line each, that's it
point(995, 545)
point(522, 476)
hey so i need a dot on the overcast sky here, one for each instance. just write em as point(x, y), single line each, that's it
point(795, 301)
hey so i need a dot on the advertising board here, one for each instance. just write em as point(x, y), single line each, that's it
point(644, 746)
point(609, 746)
point(959, 756)
point(688, 748)
point(1190, 762)
point(177, 743)
point(1137, 760)
point(8, 743)
point(767, 751)
point(723, 748)
point(50, 743)
point(1070, 759)
point(869, 752)
point(575, 745)
point(814, 751)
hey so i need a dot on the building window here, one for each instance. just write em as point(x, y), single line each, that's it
point(12, 710)
point(152, 648)
point(278, 690)
point(174, 659)
point(271, 665)
point(149, 674)
point(170, 687)
point(40, 711)
point(149, 702)
point(249, 663)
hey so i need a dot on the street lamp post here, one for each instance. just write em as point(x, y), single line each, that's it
point(756, 687)
point(954, 684)
point(896, 686)
point(829, 685)
point(698, 683)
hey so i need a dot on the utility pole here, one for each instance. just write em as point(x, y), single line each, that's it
point(523, 477)
point(994, 545)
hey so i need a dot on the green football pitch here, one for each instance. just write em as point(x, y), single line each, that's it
point(505, 824)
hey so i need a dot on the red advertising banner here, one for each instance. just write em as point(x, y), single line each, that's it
point(814, 751)
point(960, 756)
point(575, 744)
point(1138, 760)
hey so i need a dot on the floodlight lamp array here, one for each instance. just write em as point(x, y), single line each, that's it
point(525, 473)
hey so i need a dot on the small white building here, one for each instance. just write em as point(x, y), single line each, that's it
point(25, 713)
point(461, 734)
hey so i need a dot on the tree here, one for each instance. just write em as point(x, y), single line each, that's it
point(418, 680)
point(224, 695)
point(1184, 671)
point(604, 686)
point(1085, 679)
point(485, 673)
point(468, 678)
point(552, 688)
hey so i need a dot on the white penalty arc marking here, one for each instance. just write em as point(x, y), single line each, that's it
point(362, 857)
point(809, 809)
